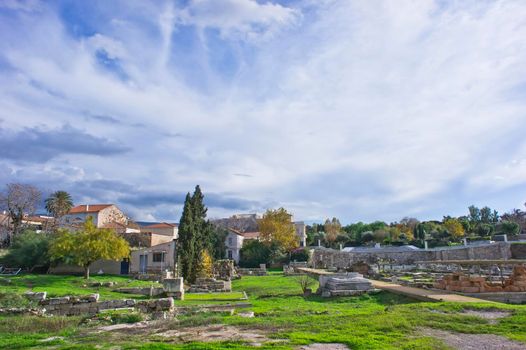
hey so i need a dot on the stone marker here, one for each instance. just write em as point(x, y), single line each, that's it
point(174, 287)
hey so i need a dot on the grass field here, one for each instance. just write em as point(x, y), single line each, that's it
point(282, 315)
point(56, 285)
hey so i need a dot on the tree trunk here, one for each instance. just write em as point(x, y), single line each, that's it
point(86, 272)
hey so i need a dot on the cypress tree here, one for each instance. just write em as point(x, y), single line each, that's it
point(187, 241)
point(203, 226)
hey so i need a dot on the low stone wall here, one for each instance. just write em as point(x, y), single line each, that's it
point(261, 271)
point(210, 285)
point(148, 291)
point(459, 282)
point(90, 304)
point(330, 258)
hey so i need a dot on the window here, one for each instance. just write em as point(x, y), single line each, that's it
point(158, 257)
point(229, 253)
point(230, 240)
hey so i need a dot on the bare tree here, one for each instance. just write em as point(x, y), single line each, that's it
point(19, 200)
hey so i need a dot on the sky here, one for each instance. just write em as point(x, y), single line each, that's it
point(362, 110)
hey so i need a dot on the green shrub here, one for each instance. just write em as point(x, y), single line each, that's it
point(29, 249)
point(254, 253)
point(300, 254)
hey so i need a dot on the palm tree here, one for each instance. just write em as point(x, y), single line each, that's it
point(59, 204)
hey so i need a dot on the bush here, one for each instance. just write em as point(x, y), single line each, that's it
point(508, 227)
point(300, 254)
point(254, 253)
point(29, 249)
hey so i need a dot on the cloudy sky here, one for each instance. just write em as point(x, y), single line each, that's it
point(362, 110)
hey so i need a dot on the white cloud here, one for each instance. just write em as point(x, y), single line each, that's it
point(363, 110)
point(241, 19)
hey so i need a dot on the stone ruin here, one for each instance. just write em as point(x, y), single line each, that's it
point(261, 271)
point(90, 304)
point(210, 285)
point(460, 282)
point(345, 284)
point(224, 270)
point(174, 287)
point(292, 268)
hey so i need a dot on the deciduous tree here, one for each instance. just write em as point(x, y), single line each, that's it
point(454, 228)
point(276, 226)
point(332, 229)
point(88, 245)
point(19, 200)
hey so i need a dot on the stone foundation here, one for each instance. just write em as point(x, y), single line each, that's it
point(148, 291)
point(261, 271)
point(210, 285)
point(90, 304)
point(347, 284)
point(460, 282)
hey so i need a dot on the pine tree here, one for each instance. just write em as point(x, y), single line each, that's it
point(187, 241)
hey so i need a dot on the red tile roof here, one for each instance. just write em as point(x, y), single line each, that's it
point(88, 208)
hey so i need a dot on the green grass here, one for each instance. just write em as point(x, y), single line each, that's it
point(380, 321)
point(58, 285)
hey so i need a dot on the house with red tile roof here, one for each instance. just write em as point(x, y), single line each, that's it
point(161, 232)
point(102, 214)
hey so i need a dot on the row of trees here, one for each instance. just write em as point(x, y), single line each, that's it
point(479, 223)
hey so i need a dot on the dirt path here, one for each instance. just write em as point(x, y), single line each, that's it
point(463, 341)
point(425, 294)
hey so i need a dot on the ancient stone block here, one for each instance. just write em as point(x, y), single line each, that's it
point(36, 296)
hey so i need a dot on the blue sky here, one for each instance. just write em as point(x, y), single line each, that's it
point(362, 110)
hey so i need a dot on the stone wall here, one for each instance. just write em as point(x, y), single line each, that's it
point(261, 271)
point(90, 304)
point(330, 258)
point(210, 285)
point(518, 251)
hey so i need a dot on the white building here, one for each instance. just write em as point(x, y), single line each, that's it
point(154, 259)
point(301, 232)
point(234, 243)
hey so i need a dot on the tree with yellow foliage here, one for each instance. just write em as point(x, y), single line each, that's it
point(277, 227)
point(87, 245)
point(204, 269)
point(454, 228)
